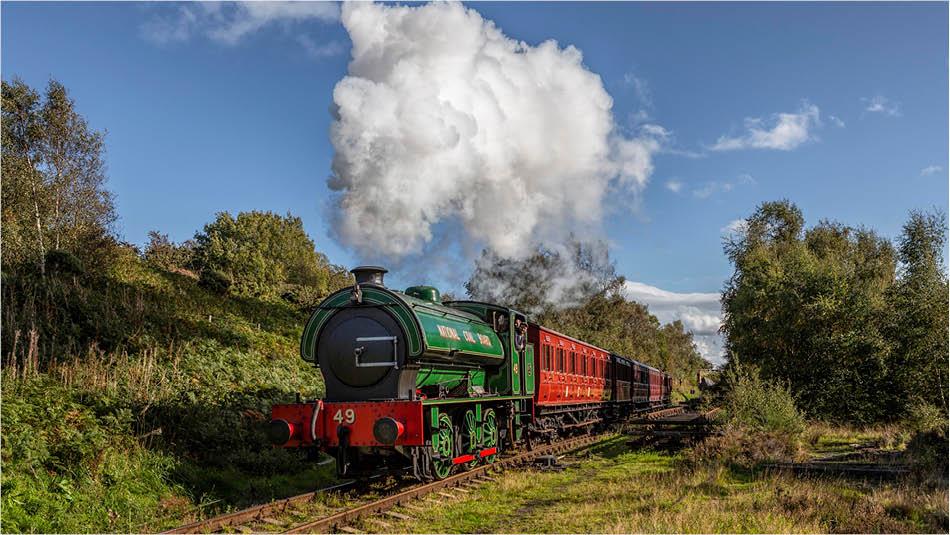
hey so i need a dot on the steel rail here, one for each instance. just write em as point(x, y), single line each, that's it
point(256, 512)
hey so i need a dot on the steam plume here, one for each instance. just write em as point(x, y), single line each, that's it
point(444, 119)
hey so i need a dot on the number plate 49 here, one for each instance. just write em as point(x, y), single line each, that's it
point(348, 416)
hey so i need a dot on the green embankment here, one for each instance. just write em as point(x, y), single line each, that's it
point(164, 423)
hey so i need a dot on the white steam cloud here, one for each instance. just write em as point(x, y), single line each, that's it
point(442, 119)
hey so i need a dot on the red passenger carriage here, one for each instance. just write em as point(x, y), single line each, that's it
point(580, 384)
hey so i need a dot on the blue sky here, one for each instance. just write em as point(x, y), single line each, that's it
point(208, 112)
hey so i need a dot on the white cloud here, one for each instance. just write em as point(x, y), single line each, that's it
point(444, 123)
point(248, 17)
point(318, 51)
point(674, 185)
point(640, 87)
point(930, 170)
point(712, 187)
point(174, 27)
point(686, 153)
point(736, 226)
point(700, 313)
point(644, 97)
point(229, 22)
point(783, 131)
point(880, 104)
point(836, 121)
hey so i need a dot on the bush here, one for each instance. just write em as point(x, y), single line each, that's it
point(305, 297)
point(928, 448)
point(163, 253)
point(754, 403)
point(214, 280)
point(761, 422)
point(926, 418)
point(927, 452)
point(260, 252)
point(744, 448)
point(64, 262)
point(70, 465)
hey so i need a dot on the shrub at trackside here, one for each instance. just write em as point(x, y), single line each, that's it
point(760, 422)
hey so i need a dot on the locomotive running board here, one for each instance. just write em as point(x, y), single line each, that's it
point(471, 457)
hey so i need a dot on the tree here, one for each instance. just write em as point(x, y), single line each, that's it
point(261, 253)
point(920, 311)
point(54, 195)
point(811, 309)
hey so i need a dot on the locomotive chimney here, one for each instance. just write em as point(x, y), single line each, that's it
point(369, 275)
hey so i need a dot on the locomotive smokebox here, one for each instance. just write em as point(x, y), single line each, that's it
point(369, 275)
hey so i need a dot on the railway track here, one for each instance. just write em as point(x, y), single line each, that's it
point(265, 517)
point(258, 512)
point(673, 430)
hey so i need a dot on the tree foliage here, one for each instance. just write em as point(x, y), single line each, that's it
point(919, 314)
point(544, 281)
point(263, 254)
point(817, 309)
point(54, 195)
point(166, 254)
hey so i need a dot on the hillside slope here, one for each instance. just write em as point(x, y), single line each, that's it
point(152, 401)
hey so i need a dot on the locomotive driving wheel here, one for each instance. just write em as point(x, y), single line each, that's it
point(443, 448)
point(490, 434)
point(469, 439)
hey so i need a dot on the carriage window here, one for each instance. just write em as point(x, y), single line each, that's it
point(560, 360)
point(572, 366)
point(583, 364)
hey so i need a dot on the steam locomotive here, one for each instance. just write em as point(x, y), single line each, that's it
point(414, 382)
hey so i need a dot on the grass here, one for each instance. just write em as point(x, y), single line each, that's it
point(614, 490)
point(827, 440)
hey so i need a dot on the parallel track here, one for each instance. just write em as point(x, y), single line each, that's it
point(338, 520)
